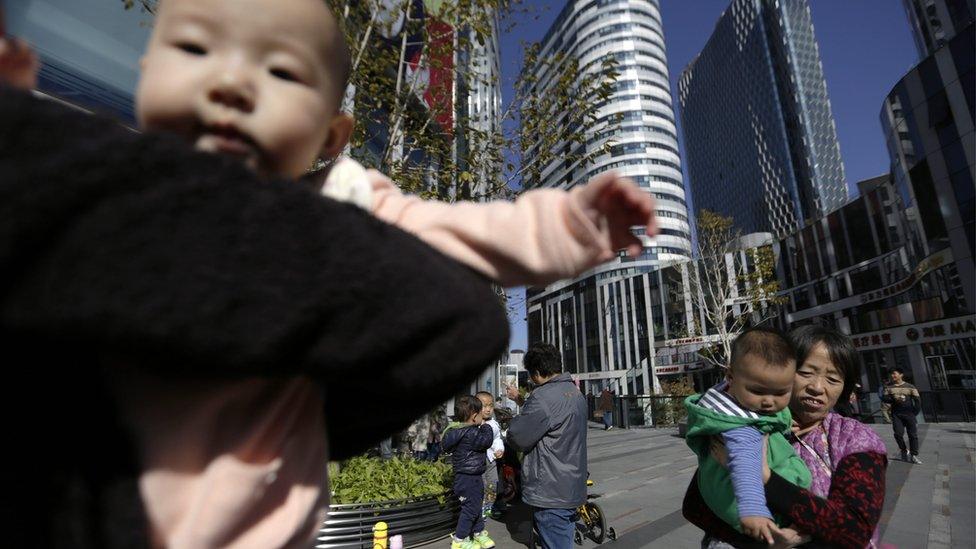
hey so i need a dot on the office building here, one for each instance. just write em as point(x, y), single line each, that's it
point(760, 141)
point(935, 22)
point(632, 329)
point(638, 117)
point(865, 270)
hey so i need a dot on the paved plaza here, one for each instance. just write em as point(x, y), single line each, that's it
point(641, 476)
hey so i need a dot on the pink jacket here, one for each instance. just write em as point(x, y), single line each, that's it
point(243, 463)
point(542, 237)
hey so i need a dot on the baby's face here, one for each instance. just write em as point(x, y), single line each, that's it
point(487, 407)
point(761, 387)
point(245, 78)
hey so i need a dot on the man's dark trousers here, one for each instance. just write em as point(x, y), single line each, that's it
point(902, 421)
point(470, 489)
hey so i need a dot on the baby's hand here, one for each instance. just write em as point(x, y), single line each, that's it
point(18, 63)
point(785, 538)
point(499, 454)
point(616, 204)
point(760, 528)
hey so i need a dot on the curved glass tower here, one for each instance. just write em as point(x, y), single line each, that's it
point(638, 118)
point(606, 322)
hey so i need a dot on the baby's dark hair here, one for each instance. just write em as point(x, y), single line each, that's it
point(465, 407)
point(767, 344)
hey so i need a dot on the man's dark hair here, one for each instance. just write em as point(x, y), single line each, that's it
point(465, 406)
point(840, 349)
point(542, 359)
point(898, 369)
point(767, 344)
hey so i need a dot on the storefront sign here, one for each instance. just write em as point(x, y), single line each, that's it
point(934, 261)
point(951, 328)
point(679, 368)
point(687, 341)
point(925, 266)
point(606, 374)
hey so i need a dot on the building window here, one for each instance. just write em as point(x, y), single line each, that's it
point(865, 279)
point(821, 292)
point(928, 205)
point(801, 299)
point(859, 228)
point(841, 283)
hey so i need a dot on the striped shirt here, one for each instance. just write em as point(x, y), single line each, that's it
point(744, 445)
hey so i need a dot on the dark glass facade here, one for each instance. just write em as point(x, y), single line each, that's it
point(928, 124)
point(760, 140)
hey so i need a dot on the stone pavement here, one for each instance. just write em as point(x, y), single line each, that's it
point(641, 476)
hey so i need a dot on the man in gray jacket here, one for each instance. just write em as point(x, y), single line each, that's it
point(551, 431)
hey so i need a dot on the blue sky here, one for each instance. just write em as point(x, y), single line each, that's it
point(865, 47)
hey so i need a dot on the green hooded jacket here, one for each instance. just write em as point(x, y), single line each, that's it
point(714, 480)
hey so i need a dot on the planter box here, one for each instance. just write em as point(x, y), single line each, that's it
point(418, 520)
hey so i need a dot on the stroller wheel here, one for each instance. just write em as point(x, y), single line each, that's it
point(611, 534)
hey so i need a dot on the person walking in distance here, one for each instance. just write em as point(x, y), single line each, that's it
point(605, 405)
point(551, 431)
point(905, 404)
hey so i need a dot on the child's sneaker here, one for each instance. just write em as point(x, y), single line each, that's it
point(483, 540)
point(464, 544)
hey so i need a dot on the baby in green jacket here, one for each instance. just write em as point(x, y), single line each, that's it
point(749, 405)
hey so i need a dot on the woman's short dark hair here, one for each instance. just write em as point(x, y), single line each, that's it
point(840, 349)
point(466, 406)
point(542, 359)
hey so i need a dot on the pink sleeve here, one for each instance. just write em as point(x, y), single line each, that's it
point(542, 237)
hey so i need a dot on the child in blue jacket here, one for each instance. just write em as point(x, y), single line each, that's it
point(467, 439)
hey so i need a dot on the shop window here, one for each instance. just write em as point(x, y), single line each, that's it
point(867, 321)
point(928, 309)
point(889, 318)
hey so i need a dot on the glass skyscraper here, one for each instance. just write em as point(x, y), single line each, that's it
point(760, 141)
point(602, 321)
point(935, 22)
point(638, 118)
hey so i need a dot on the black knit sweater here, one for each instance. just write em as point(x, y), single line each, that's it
point(118, 244)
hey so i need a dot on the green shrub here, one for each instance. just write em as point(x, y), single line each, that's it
point(367, 479)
